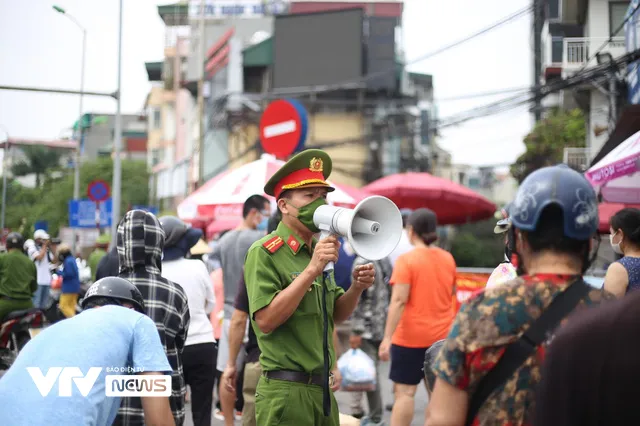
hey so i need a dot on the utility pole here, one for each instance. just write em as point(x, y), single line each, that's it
point(613, 99)
point(117, 161)
point(538, 21)
point(201, 65)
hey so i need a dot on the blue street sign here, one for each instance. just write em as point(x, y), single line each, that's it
point(82, 213)
point(151, 209)
point(41, 224)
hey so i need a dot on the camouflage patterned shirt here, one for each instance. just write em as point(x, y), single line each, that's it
point(482, 330)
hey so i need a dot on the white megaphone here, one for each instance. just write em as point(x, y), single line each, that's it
point(373, 228)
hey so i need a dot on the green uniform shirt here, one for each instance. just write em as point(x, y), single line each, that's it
point(94, 260)
point(18, 276)
point(297, 344)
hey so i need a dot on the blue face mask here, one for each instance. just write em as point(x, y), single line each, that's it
point(262, 226)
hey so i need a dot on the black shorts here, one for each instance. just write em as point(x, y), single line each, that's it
point(407, 365)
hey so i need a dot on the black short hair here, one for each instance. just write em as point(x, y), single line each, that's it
point(424, 223)
point(629, 221)
point(274, 221)
point(285, 194)
point(254, 202)
point(549, 235)
point(102, 301)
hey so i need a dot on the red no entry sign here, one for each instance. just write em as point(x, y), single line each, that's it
point(98, 191)
point(283, 128)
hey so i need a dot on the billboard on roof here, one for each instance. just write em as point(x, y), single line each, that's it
point(318, 48)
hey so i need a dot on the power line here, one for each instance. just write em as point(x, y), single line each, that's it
point(484, 94)
point(591, 74)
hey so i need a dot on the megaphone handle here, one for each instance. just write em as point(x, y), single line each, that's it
point(329, 266)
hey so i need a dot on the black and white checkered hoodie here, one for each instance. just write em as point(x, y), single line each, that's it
point(140, 244)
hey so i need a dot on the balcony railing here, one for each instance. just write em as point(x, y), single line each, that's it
point(577, 158)
point(577, 51)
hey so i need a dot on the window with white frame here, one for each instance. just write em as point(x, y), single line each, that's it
point(617, 14)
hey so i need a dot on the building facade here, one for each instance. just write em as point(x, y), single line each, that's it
point(573, 31)
point(171, 111)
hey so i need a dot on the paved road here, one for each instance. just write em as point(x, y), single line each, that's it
point(344, 398)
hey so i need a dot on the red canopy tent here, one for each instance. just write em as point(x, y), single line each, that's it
point(452, 203)
point(606, 210)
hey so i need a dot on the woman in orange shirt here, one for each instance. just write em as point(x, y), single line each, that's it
point(421, 310)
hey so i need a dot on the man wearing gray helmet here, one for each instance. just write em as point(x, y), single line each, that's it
point(110, 333)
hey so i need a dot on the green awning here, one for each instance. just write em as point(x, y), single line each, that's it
point(89, 120)
point(259, 55)
point(174, 14)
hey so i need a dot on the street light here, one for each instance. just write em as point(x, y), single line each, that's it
point(76, 174)
point(117, 165)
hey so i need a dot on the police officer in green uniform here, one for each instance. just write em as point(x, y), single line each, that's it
point(294, 304)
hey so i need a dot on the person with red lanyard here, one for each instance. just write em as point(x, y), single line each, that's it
point(489, 366)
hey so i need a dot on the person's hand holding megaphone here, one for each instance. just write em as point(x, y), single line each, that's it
point(326, 251)
point(363, 276)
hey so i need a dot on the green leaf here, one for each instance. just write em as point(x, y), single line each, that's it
point(546, 142)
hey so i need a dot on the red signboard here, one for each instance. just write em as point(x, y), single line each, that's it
point(98, 191)
point(282, 128)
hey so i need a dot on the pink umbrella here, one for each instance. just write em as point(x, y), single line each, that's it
point(617, 175)
point(220, 199)
point(452, 203)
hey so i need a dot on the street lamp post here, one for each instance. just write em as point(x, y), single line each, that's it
point(117, 165)
point(76, 162)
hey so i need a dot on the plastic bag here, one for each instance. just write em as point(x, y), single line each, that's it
point(358, 371)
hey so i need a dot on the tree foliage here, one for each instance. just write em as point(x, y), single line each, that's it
point(476, 245)
point(50, 202)
point(39, 160)
point(545, 144)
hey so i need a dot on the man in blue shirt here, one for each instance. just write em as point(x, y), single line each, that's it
point(111, 336)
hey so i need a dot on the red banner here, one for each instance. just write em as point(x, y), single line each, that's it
point(468, 283)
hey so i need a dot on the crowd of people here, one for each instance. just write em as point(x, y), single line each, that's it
point(252, 316)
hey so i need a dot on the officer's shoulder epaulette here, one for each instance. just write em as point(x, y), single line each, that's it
point(273, 244)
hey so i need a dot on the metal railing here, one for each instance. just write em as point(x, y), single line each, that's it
point(577, 158)
point(577, 50)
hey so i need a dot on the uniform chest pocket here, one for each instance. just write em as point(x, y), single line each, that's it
point(311, 303)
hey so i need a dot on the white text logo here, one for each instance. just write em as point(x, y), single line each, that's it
point(65, 377)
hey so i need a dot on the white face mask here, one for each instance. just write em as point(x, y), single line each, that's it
point(615, 246)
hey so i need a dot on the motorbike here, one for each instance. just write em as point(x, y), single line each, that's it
point(16, 329)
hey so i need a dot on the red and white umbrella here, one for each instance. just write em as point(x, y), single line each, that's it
point(220, 200)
